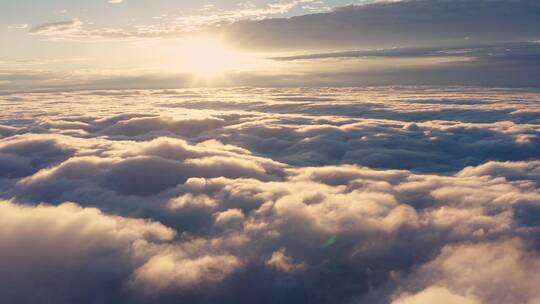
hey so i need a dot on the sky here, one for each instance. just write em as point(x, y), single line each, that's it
point(169, 44)
point(270, 152)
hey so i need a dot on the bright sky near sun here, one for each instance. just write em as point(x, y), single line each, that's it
point(84, 35)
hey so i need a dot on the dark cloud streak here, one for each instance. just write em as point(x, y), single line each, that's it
point(421, 23)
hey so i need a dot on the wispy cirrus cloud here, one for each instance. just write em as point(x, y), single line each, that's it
point(58, 28)
point(208, 15)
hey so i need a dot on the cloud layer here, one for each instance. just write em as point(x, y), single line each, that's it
point(328, 195)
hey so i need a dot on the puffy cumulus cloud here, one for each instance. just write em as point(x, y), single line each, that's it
point(282, 262)
point(30, 144)
point(504, 272)
point(511, 170)
point(246, 195)
point(67, 253)
point(23, 155)
point(171, 272)
point(143, 169)
point(434, 294)
point(71, 254)
point(427, 146)
point(142, 125)
point(6, 131)
point(324, 223)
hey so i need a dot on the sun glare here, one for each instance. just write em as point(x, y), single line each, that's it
point(207, 57)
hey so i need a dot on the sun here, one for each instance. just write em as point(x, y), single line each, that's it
point(204, 56)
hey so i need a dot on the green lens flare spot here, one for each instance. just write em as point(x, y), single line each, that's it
point(328, 243)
